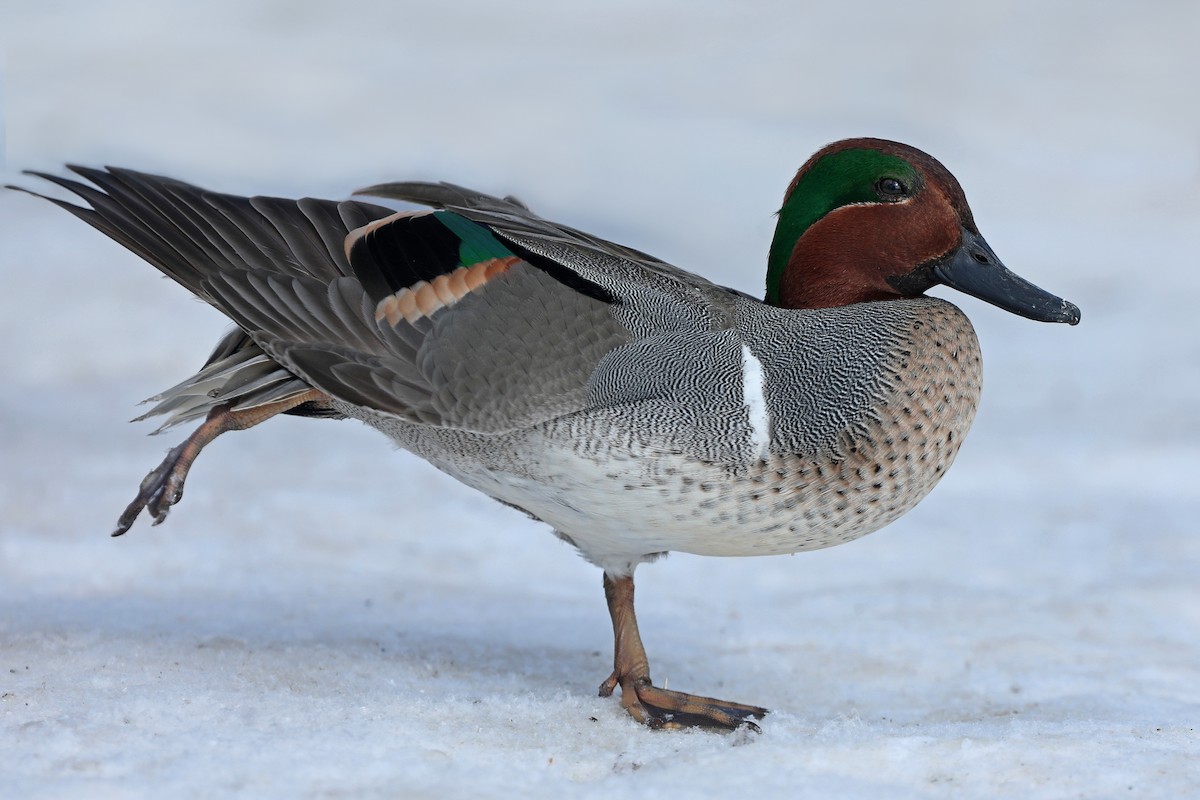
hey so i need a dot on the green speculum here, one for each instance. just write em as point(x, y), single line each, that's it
point(838, 179)
point(477, 242)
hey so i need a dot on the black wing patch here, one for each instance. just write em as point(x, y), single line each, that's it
point(410, 249)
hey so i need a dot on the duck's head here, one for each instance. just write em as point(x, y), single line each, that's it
point(870, 219)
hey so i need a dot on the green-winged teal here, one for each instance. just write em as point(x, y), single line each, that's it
point(634, 407)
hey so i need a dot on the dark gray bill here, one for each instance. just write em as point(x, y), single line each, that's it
point(975, 270)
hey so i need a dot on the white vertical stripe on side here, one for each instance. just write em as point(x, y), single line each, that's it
point(755, 401)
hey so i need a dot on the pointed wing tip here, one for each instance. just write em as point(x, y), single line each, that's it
point(33, 173)
point(64, 183)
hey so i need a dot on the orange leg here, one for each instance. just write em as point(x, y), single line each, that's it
point(649, 705)
point(163, 487)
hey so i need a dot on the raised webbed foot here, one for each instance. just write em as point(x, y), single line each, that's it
point(160, 489)
point(163, 487)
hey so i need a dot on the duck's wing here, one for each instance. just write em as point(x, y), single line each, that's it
point(637, 278)
point(484, 317)
point(189, 233)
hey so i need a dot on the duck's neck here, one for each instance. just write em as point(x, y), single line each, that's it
point(809, 287)
point(839, 260)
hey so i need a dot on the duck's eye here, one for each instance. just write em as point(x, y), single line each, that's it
point(890, 189)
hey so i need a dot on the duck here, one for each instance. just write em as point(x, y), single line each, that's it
point(634, 407)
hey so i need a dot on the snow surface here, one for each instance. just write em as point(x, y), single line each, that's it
point(325, 617)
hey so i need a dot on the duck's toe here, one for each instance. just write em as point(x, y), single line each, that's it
point(159, 490)
point(670, 710)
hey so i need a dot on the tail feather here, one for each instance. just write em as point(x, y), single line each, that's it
point(238, 374)
point(191, 235)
